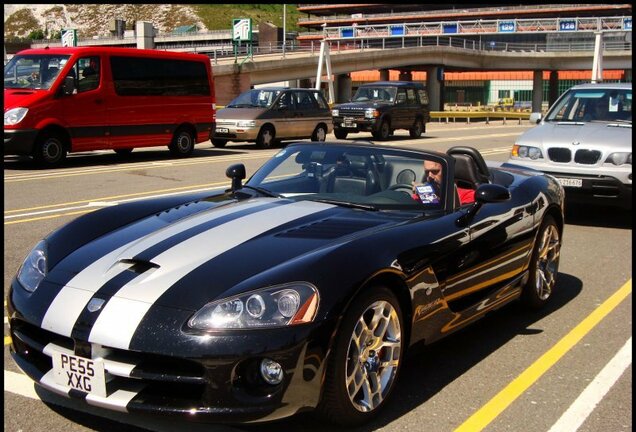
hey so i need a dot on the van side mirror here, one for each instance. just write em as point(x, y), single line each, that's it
point(68, 85)
point(237, 173)
point(535, 117)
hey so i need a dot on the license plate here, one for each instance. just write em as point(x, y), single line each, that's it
point(570, 182)
point(348, 124)
point(80, 373)
point(222, 130)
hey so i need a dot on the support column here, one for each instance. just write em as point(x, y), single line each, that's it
point(434, 87)
point(343, 88)
point(537, 91)
point(384, 75)
point(145, 35)
point(406, 76)
point(627, 77)
point(227, 87)
point(553, 91)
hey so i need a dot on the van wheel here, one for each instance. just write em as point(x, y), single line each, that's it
point(266, 137)
point(320, 134)
point(49, 150)
point(123, 151)
point(220, 143)
point(383, 132)
point(182, 143)
point(340, 134)
point(416, 130)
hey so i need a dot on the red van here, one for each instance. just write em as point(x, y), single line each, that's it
point(60, 100)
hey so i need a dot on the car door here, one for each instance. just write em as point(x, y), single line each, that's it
point(284, 115)
point(400, 111)
point(308, 113)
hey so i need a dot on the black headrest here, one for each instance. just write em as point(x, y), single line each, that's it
point(466, 170)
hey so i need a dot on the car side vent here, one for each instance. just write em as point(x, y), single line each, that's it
point(182, 211)
point(139, 266)
point(330, 228)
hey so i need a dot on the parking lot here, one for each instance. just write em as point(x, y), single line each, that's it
point(513, 371)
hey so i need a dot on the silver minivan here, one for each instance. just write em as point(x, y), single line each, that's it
point(270, 114)
point(585, 141)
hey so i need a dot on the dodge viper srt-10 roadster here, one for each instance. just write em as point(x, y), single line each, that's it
point(299, 289)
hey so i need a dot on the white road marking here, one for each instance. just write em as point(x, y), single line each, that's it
point(19, 384)
point(584, 405)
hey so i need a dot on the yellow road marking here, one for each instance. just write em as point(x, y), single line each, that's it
point(50, 216)
point(7, 340)
point(486, 414)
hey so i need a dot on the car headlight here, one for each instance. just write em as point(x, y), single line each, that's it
point(277, 306)
point(521, 151)
point(14, 116)
point(371, 113)
point(335, 112)
point(246, 123)
point(34, 268)
point(619, 158)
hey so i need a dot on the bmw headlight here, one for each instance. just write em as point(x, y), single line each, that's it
point(277, 306)
point(522, 151)
point(246, 123)
point(14, 116)
point(371, 113)
point(335, 112)
point(34, 268)
point(619, 158)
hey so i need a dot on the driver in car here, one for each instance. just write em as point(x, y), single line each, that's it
point(430, 191)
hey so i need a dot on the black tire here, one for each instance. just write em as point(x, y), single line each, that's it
point(320, 133)
point(340, 134)
point(220, 143)
point(123, 151)
point(383, 132)
point(266, 137)
point(182, 144)
point(49, 150)
point(361, 361)
point(417, 129)
point(544, 265)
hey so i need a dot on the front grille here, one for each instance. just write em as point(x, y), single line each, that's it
point(358, 113)
point(587, 157)
point(558, 154)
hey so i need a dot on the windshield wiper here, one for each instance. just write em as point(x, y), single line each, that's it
point(345, 204)
point(263, 191)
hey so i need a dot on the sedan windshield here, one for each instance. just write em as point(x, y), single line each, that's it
point(375, 94)
point(356, 176)
point(593, 105)
point(33, 71)
point(254, 99)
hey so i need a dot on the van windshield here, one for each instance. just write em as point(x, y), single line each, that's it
point(33, 71)
point(593, 105)
point(254, 99)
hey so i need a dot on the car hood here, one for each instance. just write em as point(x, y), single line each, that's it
point(196, 259)
point(240, 113)
point(361, 105)
point(586, 135)
point(14, 98)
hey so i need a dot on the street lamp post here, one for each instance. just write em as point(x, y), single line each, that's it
point(284, 28)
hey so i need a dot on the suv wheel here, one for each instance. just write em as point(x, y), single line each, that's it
point(383, 132)
point(340, 134)
point(416, 130)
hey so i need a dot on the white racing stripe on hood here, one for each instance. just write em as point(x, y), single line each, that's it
point(121, 316)
point(67, 306)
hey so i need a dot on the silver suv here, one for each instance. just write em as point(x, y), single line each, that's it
point(585, 141)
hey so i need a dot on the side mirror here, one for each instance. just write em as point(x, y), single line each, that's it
point(68, 85)
point(491, 193)
point(237, 173)
point(486, 193)
point(535, 117)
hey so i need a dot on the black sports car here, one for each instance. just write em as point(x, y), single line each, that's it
point(301, 289)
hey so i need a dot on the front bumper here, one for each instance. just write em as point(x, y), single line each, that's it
point(356, 124)
point(198, 377)
point(19, 141)
point(234, 133)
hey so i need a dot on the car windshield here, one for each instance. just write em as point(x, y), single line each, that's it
point(254, 99)
point(593, 105)
point(375, 94)
point(33, 71)
point(371, 178)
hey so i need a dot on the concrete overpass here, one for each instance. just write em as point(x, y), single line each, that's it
point(452, 54)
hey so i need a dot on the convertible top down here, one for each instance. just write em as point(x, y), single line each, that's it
point(300, 289)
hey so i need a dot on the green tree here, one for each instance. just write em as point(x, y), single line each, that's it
point(36, 35)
